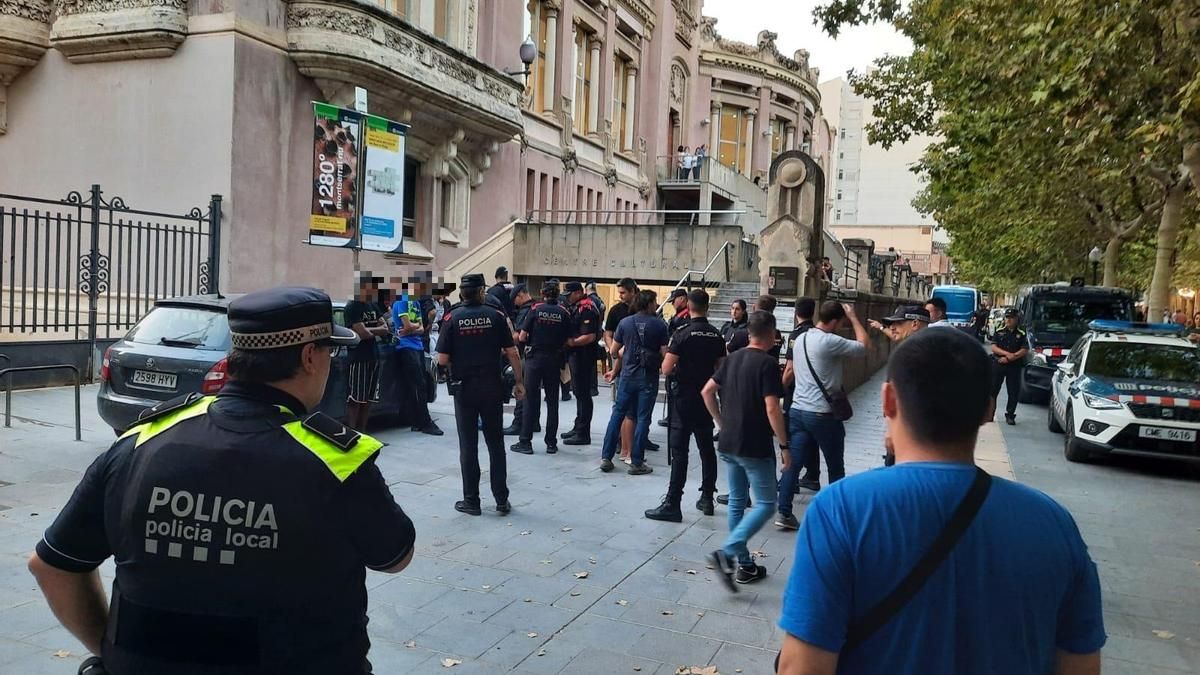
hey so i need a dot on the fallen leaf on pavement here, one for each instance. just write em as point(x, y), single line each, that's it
point(450, 663)
point(575, 594)
point(593, 561)
point(691, 571)
point(758, 554)
point(547, 562)
point(486, 587)
point(567, 529)
point(622, 602)
point(411, 644)
point(62, 653)
point(581, 575)
point(541, 652)
point(531, 635)
point(525, 532)
point(1163, 634)
point(697, 670)
point(699, 613)
point(667, 612)
point(637, 669)
point(737, 670)
point(528, 599)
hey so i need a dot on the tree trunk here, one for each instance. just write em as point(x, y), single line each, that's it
point(1168, 235)
point(1191, 159)
point(1112, 255)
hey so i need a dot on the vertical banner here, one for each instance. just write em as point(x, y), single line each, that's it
point(383, 196)
point(333, 220)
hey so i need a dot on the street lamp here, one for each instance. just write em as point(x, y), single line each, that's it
point(1095, 256)
point(528, 53)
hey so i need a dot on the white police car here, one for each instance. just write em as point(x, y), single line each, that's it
point(1129, 388)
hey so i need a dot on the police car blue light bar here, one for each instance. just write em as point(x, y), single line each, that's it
point(1114, 326)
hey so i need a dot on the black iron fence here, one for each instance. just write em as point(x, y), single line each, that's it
point(85, 268)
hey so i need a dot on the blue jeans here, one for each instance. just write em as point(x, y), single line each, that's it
point(748, 476)
point(808, 434)
point(635, 400)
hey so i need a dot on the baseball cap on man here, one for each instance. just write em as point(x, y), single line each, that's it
point(573, 286)
point(677, 293)
point(907, 313)
point(285, 317)
point(470, 281)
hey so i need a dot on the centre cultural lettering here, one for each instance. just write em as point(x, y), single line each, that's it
point(613, 264)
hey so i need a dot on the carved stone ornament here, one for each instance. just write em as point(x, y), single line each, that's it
point(765, 50)
point(570, 160)
point(610, 176)
point(358, 43)
point(24, 37)
point(644, 189)
point(116, 30)
point(678, 85)
point(685, 22)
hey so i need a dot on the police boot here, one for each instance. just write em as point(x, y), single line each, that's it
point(705, 503)
point(513, 429)
point(668, 510)
point(523, 447)
point(469, 508)
point(579, 439)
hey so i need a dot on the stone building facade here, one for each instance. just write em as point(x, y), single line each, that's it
point(165, 102)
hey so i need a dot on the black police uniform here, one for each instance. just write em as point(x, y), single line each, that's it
point(474, 338)
point(681, 319)
point(730, 329)
point(699, 346)
point(1011, 341)
point(241, 524)
point(548, 325)
point(585, 320)
point(522, 311)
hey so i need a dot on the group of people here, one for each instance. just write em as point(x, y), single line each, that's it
point(689, 163)
point(243, 523)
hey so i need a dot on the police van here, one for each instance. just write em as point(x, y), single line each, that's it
point(961, 303)
point(1055, 316)
point(1128, 388)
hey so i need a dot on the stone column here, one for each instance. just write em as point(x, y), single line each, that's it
point(714, 133)
point(789, 138)
point(551, 57)
point(750, 127)
point(630, 103)
point(594, 98)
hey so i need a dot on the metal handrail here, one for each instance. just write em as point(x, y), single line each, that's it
point(704, 272)
point(25, 369)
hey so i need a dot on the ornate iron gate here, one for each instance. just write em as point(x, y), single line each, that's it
point(85, 268)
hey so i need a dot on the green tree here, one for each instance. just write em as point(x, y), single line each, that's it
point(1097, 105)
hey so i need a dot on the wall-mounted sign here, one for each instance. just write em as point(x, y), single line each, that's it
point(383, 190)
point(333, 219)
point(783, 281)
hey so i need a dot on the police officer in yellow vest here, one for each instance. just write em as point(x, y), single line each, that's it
point(242, 525)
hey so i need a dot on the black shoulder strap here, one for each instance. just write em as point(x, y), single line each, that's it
point(167, 407)
point(817, 378)
point(331, 430)
point(963, 516)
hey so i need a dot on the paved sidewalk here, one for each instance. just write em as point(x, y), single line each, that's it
point(576, 580)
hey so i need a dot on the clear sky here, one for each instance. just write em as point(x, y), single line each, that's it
point(856, 48)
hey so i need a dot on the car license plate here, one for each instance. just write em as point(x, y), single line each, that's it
point(149, 378)
point(1167, 434)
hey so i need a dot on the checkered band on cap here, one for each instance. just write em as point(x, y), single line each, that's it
point(283, 338)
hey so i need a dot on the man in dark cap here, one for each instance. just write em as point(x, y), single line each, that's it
point(471, 344)
point(546, 329)
point(906, 321)
point(242, 524)
point(1010, 344)
point(585, 324)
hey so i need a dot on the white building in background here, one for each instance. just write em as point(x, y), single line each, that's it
point(873, 188)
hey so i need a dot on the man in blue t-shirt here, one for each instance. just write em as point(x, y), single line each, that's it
point(637, 349)
point(408, 324)
point(1017, 593)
